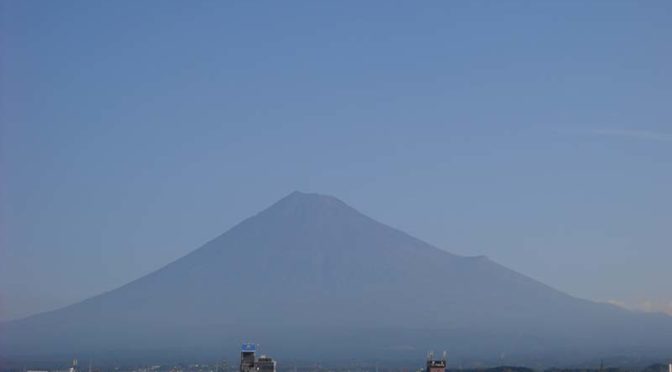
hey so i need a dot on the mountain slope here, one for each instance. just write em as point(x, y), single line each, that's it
point(311, 268)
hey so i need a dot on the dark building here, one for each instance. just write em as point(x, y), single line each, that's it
point(249, 363)
point(265, 364)
point(247, 357)
point(436, 365)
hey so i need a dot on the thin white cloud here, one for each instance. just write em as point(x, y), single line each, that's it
point(647, 306)
point(635, 134)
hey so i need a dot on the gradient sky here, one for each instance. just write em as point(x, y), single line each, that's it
point(536, 133)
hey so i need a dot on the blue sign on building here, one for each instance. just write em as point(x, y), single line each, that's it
point(249, 347)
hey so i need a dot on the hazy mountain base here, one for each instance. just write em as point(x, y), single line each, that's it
point(468, 348)
point(312, 278)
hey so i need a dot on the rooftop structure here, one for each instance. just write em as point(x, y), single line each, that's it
point(434, 365)
point(74, 366)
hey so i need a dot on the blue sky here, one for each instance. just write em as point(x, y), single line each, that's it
point(536, 133)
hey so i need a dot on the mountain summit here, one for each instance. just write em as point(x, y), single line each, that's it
point(311, 276)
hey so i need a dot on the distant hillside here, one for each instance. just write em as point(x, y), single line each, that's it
point(312, 277)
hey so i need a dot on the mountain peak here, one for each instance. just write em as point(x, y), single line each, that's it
point(302, 202)
point(308, 197)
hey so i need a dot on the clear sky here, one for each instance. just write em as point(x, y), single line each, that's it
point(538, 133)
